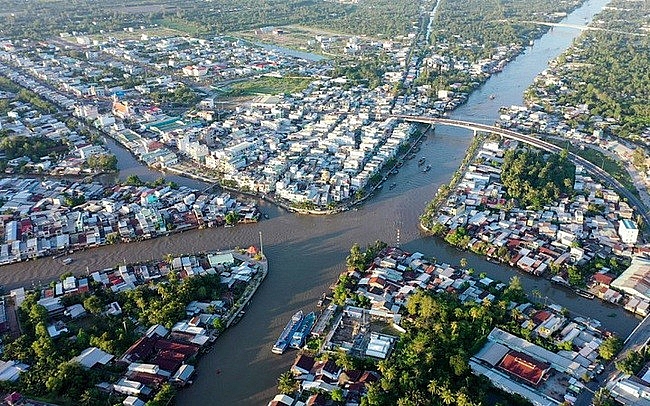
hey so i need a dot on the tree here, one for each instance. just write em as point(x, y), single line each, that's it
point(463, 262)
point(515, 291)
point(337, 395)
point(287, 384)
point(610, 347)
point(602, 397)
point(218, 324)
point(164, 397)
point(232, 218)
point(459, 364)
point(356, 258)
point(133, 180)
point(93, 304)
point(633, 361)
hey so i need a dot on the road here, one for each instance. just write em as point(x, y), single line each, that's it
point(639, 206)
point(637, 339)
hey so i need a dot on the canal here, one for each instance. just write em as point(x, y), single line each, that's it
point(306, 253)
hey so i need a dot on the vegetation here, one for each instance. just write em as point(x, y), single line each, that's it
point(610, 347)
point(34, 148)
point(366, 72)
point(52, 375)
point(269, 85)
point(287, 384)
point(182, 96)
point(634, 361)
point(475, 29)
point(609, 165)
point(535, 178)
point(45, 19)
point(430, 362)
point(102, 162)
point(134, 180)
point(360, 260)
point(164, 303)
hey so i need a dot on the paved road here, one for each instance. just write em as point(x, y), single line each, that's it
point(639, 337)
point(640, 207)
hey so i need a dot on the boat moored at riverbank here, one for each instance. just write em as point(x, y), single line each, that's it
point(285, 338)
point(300, 336)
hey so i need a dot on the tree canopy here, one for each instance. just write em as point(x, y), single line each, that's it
point(536, 178)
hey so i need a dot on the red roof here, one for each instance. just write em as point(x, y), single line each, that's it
point(525, 367)
point(603, 279)
point(541, 316)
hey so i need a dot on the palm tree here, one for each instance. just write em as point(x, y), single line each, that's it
point(447, 396)
point(287, 384)
point(433, 387)
point(463, 262)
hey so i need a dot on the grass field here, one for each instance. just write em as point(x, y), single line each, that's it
point(609, 165)
point(269, 85)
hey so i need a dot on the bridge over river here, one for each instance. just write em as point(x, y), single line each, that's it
point(541, 144)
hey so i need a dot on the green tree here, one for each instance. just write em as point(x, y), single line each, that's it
point(602, 397)
point(93, 304)
point(337, 395)
point(287, 384)
point(463, 262)
point(164, 396)
point(232, 218)
point(133, 180)
point(610, 347)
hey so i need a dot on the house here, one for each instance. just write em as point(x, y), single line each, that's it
point(92, 356)
point(10, 370)
point(303, 364)
point(635, 280)
point(133, 401)
point(628, 231)
point(284, 400)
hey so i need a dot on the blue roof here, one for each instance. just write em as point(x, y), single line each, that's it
point(629, 224)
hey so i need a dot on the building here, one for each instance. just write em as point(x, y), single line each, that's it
point(628, 231)
point(636, 279)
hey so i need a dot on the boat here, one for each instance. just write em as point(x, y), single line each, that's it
point(421, 161)
point(67, 261)
point(287, 334)
point(584, 293)
point(427, 168)
point(238, 317)
point(492, 96)
point(300, 336)
point(266, 216)
point(392, 186)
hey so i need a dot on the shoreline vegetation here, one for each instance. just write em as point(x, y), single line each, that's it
point(430, 344)
point(145, 318)
point(159, 215)
point(426, 219)
point(557, 176)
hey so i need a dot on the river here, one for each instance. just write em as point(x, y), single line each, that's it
point(306, 253)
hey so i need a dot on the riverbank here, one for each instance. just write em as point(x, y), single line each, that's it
point(358, 315)
point(153, 317)
point(104, 215)
point(480, 214)
point(445, 190)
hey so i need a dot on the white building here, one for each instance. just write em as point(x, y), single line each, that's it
point(628, 231)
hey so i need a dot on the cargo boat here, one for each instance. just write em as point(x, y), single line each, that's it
point(287, 334)
point(300, 336)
